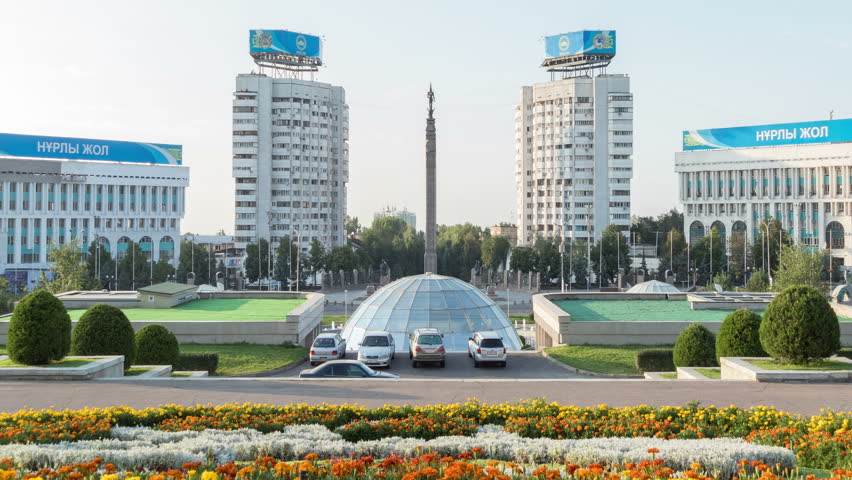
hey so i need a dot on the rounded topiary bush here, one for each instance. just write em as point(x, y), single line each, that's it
point(799, 326)
point(156, 345)
point(104, 330)
point(39, 331)
point(695, 347)
point(739, 336)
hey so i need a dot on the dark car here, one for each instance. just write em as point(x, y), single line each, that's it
point(344, 369)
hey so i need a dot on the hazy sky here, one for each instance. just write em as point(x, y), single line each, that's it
point(163, 71)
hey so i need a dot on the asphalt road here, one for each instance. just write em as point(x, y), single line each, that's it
point(519, 365)
point(799, 398)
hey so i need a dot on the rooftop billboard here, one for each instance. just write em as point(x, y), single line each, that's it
point(283, 41)
point(35, 146)
point(827, 131)
point(582, 42)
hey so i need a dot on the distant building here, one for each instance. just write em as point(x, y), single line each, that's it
point(506, 230)
point(53, 189)
point(410, 218)
point(800, 174)
point(574, 143)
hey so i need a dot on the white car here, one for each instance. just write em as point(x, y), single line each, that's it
point(377, 349)
point(327, 346)
point(486, 347)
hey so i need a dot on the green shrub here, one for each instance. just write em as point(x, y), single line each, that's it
point(739, 336)
point(799, 326)
point(695, 347)
point(199, 361)
point(39, 331)
point(104, 330)
point(156, 345)
point(845, 352)
point(757, 282)
point(655, 360)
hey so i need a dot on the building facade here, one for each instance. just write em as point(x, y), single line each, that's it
point(573, 157)
point(290, 160)
point(734, 179)
point(410, 218)
point(505, 230)
point(50, 200)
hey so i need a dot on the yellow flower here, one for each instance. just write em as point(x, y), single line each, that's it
point(209, 476)
point(110, 476)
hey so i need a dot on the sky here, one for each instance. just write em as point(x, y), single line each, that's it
point(164, 72)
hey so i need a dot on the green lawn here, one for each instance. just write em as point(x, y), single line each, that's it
point(824, 365)
point(611, 359)
point(713, 373)
point(236, 359)
point(669, 376)
point(337, 319)
point(135, 371)
point(180, 375)
point(521, 318)
point(67, 363)
point(217, 309)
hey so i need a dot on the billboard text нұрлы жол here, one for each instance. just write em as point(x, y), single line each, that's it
point(67, 148)
point(827, 131)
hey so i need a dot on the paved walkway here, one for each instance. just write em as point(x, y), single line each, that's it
point(799, 398)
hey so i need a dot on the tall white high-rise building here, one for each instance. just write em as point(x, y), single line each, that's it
point(574, 146)
point(290, 150)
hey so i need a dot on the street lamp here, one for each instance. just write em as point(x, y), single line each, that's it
point(109, 279)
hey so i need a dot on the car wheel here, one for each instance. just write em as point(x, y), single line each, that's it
point(503, 365)
point(475, 364)
point(414, 364)
point(442, 364)
point(410, 355)
point(469, 355)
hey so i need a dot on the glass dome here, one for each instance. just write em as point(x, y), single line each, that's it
point(456, 308)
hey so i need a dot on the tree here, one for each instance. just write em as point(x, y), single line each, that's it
point(579, 266)
point(458, 248)
point(342, 258)
point(757, 282)
point(739, 335)
point(801, 266)
point(316, 258)
point(392, 240)
point(758, 249)
point(674, 245)
point(254, 268)
point(705, 262)
point(351, 225)
point(40, 330)
point(799, 326)
point(193, 258)
point(723, 280)
point(524, 259)
point(695, 347)
point(104, 330)
point(286, 262)
point(99, 264)
point(6, 297)
point(494, 250)
point(650, 230)
point(611, 252)
point(163, 269)
point(134, 269)
point(66, 263)
point(549, 257)
point(738, 264)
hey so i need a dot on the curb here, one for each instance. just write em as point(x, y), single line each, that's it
point(586, 372)
point(274, 371)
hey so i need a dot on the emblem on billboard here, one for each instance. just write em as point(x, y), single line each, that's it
point(602, 41)
point(564, 43)
point(261, 39)
point(301, 42)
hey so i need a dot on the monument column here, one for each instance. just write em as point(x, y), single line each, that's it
point(430, 258)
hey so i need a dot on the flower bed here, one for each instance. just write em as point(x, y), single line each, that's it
point(146, 449)
point(821, 441)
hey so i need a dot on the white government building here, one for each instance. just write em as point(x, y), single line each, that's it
point(800, 174)
point(53, 189)
point(574, 143)
point(290, 150)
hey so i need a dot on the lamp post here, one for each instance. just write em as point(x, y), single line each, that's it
point(345, 306)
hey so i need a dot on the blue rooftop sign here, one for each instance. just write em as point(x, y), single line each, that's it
point(35, 146)
point(827, 131)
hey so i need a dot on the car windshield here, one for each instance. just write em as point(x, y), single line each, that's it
point(491, 343)
point(324, 342)
point(369, 370)
point(430, 340)
point(375, 341)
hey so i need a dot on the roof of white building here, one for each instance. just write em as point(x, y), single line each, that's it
point(653, 286)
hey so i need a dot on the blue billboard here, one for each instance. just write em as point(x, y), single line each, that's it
point(35, 146)
point(828, 131)
point(582, 42)
point(283, 41)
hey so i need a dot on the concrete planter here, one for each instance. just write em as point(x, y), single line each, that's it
point(103, 367)
point(739, 368)
point(690, 373)
point(156, 371)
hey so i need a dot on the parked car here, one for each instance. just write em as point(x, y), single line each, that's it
point(427, 345)
point(486, 347)
point(377, 349)
point(344, 369)
point(327, 346)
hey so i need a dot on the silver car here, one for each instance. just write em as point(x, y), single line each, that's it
point(486, 347)
point(327, 346)
point(377, 349)
point(427, 345)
